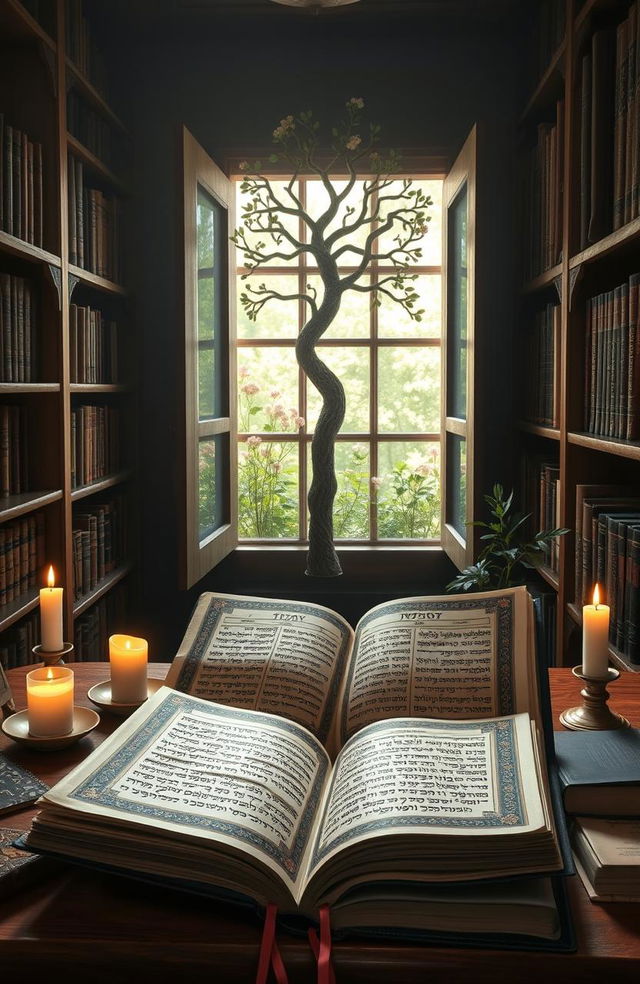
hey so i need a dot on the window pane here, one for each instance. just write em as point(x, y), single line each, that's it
point(267, 489)
point(394, 322)
point(430, 242)
point(317, 204)
point(351, 504)
point(289, 222)
point(277, 319)
point(351, 366)
point(457, 306)
point(211, 251)
point(267, 390)
point(213, 458)
point(408, 490)
point(409, 390)
point(456, 512)
point(354, 318)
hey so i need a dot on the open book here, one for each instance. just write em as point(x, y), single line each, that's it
point(439, 784)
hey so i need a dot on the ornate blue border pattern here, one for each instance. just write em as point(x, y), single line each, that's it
point(97, 788)
point(502, 607)
point(218, 606)
point(511, 810)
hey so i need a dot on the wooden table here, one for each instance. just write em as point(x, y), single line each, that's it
point(116, 930)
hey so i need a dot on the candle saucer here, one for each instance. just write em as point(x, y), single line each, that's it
point(100, 695)
point(17, 728)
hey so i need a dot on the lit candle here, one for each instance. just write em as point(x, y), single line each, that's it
point(595, 638)
point(128, 658)
point(51, 616)
point(50, 701)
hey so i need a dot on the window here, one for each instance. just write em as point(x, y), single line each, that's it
point(388, 449)
point(209, 512)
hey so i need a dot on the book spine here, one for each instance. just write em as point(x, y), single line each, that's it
point(633, 393)
point(620, 125)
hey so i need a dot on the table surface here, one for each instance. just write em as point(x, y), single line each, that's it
point(117, 929)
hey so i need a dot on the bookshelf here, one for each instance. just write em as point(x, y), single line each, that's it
point(579, 135)
point(66, 368)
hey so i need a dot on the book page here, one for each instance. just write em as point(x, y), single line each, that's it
point(458, 657)
point(409, 776)
point(200, 770)
point(280, 657)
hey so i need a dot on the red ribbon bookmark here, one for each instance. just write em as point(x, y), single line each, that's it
point(322, 948)
point(269, 952)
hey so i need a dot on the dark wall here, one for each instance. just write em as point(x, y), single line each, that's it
point(426, 85)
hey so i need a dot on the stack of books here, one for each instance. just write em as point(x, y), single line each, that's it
point(20, 184)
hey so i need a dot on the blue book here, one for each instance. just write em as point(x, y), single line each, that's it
point(599, 772)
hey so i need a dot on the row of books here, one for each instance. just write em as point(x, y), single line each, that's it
point(541, 195)
point(99, 538)
point(612, 362)
point(18, 642)
point(95, 443)
point(82, 49)
point(540, 350)
point(92, 629)
point(94, 226)
point(609, 123)
point(93, 346)
point(90, 128)
point(21, 556)
point(21, 213)
point(541, 495)
point(13, 450)
point(608, 552)
point(18, 329)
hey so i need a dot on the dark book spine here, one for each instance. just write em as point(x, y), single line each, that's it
point(632, 597)
point(633, 392)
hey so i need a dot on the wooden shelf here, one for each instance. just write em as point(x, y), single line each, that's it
point(75, 388)
point(102, 588)
point(93, 280)
point(17, 24)
point(627, 235)
point(14, 506)
point(609, 445)
point(550, 81)
point(547, 574)
point(90, 159)
point(100, 485)
point(92, 95)
point(544, 280)
point(552, 433)
point(18, 247)
point(18, 608)
point(6, 389)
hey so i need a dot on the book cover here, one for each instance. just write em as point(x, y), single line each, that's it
point(599, 771)
point(18, 786)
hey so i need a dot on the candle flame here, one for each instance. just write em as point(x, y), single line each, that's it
point(596, 595)
point(127, 644)
point(51, 578)
point(49, 674)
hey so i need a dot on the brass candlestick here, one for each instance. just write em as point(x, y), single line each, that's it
point(52, 658)
point(593, 714)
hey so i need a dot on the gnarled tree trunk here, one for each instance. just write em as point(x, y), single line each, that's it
point(322, 559)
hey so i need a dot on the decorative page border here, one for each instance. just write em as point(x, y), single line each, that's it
point(96, 788)
point(511, 810)
point(218, 606)
point(502, 607)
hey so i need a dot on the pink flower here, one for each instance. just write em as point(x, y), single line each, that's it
point(353, 142)
point(250, 389)
point(286, 125)
point(299, 421)
point(357, 102)
point(254, 441)
point(243, 372)
point(376, 482)
point(277, 466)
point(274, 394)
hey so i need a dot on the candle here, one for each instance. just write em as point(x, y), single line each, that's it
point(51, 616)
point(595, 638)
point(50, 701)
point(128, 658)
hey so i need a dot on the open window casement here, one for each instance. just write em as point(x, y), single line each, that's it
point(458, 364)
point(209, 499)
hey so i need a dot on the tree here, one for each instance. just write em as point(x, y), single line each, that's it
point(270, 231)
